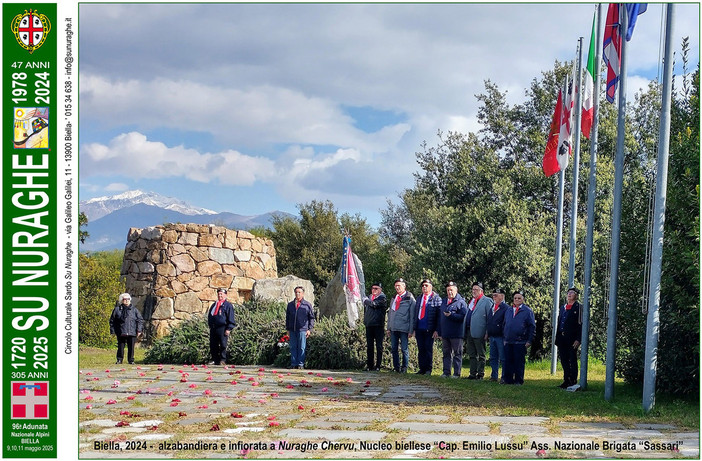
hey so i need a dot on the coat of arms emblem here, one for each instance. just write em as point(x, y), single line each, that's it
point(30, 29)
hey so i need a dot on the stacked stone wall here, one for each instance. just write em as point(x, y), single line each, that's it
point(173, 271)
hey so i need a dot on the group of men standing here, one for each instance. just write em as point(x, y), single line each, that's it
point(482, 321)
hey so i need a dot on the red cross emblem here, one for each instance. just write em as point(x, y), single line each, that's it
point(30, 29)
point(30, 400)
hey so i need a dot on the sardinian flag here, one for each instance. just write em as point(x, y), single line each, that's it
point(353, 281)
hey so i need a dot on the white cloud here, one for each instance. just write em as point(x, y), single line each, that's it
point(116, 187)
point(133, 155)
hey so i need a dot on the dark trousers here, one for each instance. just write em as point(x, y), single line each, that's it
point(569, 361)
point(476, 352)
point(453, 355)
point(218, 344)
point(515, 360)
point(374, 343)
point(129, 341)
point(425, 345)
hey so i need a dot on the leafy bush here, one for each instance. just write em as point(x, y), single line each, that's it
point(99, 287)
point(253, 341)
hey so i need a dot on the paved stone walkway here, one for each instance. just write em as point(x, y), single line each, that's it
point(154, 411)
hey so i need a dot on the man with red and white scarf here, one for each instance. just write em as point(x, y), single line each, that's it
point(568, 337)
point(220, 318)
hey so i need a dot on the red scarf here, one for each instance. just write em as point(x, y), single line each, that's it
point(398, 298)
point(217, 306)
point(568, 306)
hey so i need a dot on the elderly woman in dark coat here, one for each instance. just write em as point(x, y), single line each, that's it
point(127, 324)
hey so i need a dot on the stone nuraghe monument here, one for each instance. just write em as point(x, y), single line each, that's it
point(173, 271)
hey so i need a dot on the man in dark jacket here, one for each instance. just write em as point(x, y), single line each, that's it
point(568, 336)
point(220, 319)
point(495, 324)
point(374, 308)
point(299, 321)
point(402, 320)
point(518, 335)
point(127, 324)
point(452, 329)
point(428, 310)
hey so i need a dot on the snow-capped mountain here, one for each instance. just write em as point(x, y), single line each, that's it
point(96, 208)
point(109, 218)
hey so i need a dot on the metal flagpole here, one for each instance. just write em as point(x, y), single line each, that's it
point(654, 296)
point(592, 190)
point(576, 166)
point(617, 212)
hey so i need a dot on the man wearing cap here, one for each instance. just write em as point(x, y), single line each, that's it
point(476, 330)
point(495, 324)
point(374, 307)
point(518, 334)
point(452, 329)
point(299, 321)
point(220, 319)
point(428, 311)
point(401, 323)
point(568, 336)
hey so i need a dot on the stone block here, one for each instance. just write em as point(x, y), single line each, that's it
point(138, 288)
point(139, 254)
point(145, 267)
point(169, 236)
point(254, 270)
point(165, 292)
point(188, 238)
point(177, 227)
point(184, 277)
point(242, 234)
point(166, 269)
point(230, 240)
point(244, 244)
point(197, 283)
point(197, 228)
point(217, 229)
point(208, 294)
point(176, 249)
point(243, 283)
point(221, 281)
point(242, 256)
point(178, 287)
point(232, 270)
point(161, 328)
point(198, 254)
point(133, 234)
point(208, 240)
point(222, 255)
point(207, 268)
point(154, 256)
point(256, 245)
point(163, 310)
point(152, 233)
point(184, 262)
point(188, 302)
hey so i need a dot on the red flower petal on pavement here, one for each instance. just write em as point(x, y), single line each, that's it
point(88, 407)
point(289, 386)
point(170, 393)
point(111, 402)
point(324, 389)
point(215, 427)
point(300, 407)
point(152, 428)
point(236, 415)
point(207, 392)
point(182, 413)
point(233, 382)
point(192, 386)
point(203, 407)
point(175, 400)
point(262, 401)
point(350, 380)
point(122, 424)
point(124, 412)
point(209, 378)
point(254, 384)
point(313, 411)
point(90, 397)
point(271, 418)
point(261, 369)
point(274, 423)
point(274, 394)
point(174, 404)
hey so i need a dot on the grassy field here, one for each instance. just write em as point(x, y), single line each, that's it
point(539, 396)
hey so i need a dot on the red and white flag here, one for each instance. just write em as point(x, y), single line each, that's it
point(550, 162)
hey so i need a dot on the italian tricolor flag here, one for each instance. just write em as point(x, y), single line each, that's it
point(588, 93)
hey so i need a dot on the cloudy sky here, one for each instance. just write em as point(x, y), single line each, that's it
point(250, 108)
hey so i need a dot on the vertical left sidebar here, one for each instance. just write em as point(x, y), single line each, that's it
point(29, 237)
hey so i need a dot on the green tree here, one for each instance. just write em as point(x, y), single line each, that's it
point(99, 287)
point(310, 246)
point(82, 222)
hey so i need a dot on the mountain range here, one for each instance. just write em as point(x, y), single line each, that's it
point(110, 217)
